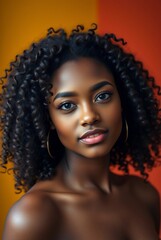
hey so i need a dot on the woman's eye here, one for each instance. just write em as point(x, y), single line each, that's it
point(67, 106)
point(102, 97)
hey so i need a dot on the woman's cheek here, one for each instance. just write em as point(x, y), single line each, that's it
point(115, 120)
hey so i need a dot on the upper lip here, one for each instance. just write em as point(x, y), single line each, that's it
point(92, 132)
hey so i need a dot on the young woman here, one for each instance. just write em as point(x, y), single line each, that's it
point(73, 106)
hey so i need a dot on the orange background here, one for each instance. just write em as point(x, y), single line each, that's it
point(22, 22)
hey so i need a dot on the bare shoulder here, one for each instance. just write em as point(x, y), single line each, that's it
point(34, 216)
point(136, 185)
point(144, 190)
point(148, 195)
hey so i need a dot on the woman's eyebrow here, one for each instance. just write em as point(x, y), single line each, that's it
point(100, 85)
point(64, 94)
point(73, 94)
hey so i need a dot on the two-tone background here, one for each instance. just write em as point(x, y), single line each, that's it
point(25, 21)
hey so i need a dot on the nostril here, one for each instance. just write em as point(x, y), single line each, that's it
point(90, 120)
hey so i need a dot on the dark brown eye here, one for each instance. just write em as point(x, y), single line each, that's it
point(101, 97)
point(67, 106)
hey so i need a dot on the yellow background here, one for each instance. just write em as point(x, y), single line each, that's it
point(25, 21)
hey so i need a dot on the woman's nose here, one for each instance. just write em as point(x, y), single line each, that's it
point(89, 116)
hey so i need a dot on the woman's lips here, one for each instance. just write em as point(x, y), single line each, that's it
point(93, 137)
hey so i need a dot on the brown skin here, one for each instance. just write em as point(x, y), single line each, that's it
point(85, 200)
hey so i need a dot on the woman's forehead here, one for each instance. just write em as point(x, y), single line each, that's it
point(81, 71)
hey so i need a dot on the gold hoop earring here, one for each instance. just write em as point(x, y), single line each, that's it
point(127, 131)
point(48, 145)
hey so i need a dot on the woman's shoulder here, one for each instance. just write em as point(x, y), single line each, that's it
point(34, 215)
point(140, 188)
point(143, 189)
point(147, 194)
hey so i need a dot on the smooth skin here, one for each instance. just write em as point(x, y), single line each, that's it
point(85, 200)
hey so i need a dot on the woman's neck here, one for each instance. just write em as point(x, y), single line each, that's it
point(84, 174)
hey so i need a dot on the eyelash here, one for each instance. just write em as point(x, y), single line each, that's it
point(104, 100)
point(60, 107)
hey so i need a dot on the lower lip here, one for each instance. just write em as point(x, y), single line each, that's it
point(94, 140)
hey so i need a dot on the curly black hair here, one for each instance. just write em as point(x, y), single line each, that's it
point(25, 120)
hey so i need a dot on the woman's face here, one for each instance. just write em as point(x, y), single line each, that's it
point(85, 107)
